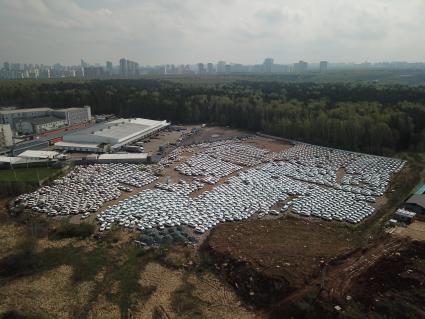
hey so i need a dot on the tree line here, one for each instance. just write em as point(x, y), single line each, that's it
point(360, 117)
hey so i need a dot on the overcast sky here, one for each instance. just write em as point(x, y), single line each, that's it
point(191, 31)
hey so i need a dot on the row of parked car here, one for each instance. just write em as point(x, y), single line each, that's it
point(360, 173)
point(85, 189)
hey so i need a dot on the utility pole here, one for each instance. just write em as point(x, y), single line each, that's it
point(38, 177)
point(13, 170)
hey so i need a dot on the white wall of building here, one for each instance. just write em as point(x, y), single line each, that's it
point(6, 137)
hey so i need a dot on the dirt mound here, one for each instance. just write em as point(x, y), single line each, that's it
point(269, 259)
point(395, 286)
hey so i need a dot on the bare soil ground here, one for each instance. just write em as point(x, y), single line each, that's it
point(215, 133)
point(164, 138)
point(393, 287)
point(270, 144)
point(342, 274)
point(289, 247)
point(415, 231)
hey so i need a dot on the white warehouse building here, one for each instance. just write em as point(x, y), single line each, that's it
point(110, 136)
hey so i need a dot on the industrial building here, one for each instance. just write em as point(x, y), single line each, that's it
point(29, 157)
point(110, 136)
point(416, 203)
point(38, 120)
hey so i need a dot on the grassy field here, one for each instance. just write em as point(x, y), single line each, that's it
point(27, 174)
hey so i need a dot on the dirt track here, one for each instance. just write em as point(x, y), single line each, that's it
point(340, 277)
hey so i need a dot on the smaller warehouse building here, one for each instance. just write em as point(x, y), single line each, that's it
point(38, 155)
point(81, 147)
point(123, 158)
point(416, 203)
point(29, 157)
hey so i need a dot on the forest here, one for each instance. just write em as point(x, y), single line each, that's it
point(367, 117)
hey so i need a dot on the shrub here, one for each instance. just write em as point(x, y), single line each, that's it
point(68, 230)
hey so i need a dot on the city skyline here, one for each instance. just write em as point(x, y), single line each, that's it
point(175, 32)
point(128, 68)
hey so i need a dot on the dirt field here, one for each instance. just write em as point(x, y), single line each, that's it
point(395, 286)
point(272, 145)
point(415, 231)
point(164, 138)
point(215, 133)
point(290, 250)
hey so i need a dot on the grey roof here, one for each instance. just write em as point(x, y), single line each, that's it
point(38, 109)
point(90, 129)
point(417, 200)
point(68, 109)
point(117, 130)
point(5, 111)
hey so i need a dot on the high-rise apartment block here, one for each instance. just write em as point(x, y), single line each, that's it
point(268, 65)
point(323, 66)
point(221, 67)
point(128, 67)
point(300, 67)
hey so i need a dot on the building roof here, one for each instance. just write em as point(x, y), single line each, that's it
point(45, 120)
point(70, 144)
point(37, 109)
point(121, 131)
point(123, 156)
point(38, 154)
point(68, 109)
point(417, 200)
point(117, 132)
point(11, 159)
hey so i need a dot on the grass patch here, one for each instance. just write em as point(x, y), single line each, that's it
point(26, 261)
point(69, 230)
point(87, 265)
point(184, 303)
point(19, 315)
point(158, 313)
point(33, 174)
point(128, 274)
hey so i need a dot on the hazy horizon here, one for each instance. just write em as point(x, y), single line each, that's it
point(154, 32)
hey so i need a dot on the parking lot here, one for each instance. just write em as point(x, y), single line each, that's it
point(197, 186)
